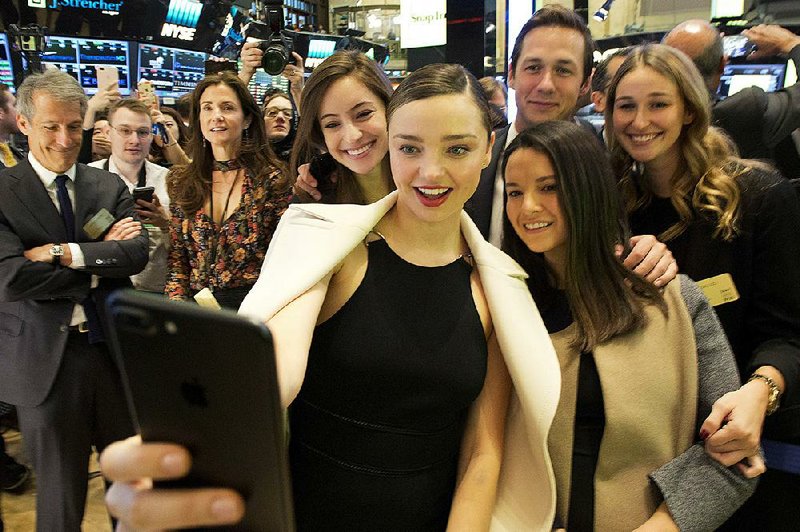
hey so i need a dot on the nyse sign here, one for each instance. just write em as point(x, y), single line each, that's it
point(177, 32)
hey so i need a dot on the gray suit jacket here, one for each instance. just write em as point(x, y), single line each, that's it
point(37, 299)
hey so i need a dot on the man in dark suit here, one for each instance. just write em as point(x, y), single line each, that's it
point(757, 121)
point(549, 70)
point(13, 475)
point(55, 270)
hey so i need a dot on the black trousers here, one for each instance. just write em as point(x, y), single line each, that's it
point(86, 407)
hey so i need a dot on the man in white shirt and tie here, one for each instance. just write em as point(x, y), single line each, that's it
point(69, 235)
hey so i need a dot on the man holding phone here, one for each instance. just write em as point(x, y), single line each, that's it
point(130, 130)
point(758, 122)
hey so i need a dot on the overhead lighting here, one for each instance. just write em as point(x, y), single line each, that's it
point(601, 14)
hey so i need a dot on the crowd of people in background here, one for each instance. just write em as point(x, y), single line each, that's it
point(508, 311)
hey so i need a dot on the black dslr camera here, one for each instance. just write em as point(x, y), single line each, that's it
point(276, 46)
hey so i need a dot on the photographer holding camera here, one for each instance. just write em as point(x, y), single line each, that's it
point(252, 55)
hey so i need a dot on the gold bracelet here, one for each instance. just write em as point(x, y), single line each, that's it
point(774, 392)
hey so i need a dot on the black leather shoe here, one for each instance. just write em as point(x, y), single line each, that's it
point(14, 475)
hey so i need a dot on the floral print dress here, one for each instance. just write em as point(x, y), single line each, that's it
point(227, 256)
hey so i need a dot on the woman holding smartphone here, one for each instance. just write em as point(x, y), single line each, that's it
point(168, 150)
point(400, 334)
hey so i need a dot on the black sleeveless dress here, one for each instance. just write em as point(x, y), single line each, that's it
point(377, 425)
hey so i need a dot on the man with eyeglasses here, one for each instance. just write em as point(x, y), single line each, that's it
point(130, 130)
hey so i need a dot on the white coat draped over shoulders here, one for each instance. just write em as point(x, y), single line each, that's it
point(312, 239)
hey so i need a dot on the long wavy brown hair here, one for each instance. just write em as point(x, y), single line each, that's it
point(310, 141)
point(189, 185)
point(705, 181)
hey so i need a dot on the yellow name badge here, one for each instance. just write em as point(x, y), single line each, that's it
point(719, 289)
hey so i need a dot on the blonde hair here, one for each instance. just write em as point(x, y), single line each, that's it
point(706, 178)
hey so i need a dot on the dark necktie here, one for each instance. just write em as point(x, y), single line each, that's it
point(65, 204)
point(68, 215)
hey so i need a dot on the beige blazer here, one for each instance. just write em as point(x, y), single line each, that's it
point(311, 239)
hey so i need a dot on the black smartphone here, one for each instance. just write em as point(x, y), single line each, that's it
point(160, 129)
point(206, 379)
point(321, 168)
point(143, 193)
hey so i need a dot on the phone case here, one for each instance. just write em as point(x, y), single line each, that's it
point(106, 75)
point(145, 193)
point(207, 380)
point(147, 93)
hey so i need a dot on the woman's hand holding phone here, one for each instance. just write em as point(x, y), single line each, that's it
point(132, 466)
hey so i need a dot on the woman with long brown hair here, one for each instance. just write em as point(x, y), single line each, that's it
point(226, 202)
point(343, 114)
point(640, 368)
point(731, 225)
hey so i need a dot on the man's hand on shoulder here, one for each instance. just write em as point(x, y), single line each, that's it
point(651, 260)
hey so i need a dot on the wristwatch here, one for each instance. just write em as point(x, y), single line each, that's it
point(774, 392)
point(56, 251)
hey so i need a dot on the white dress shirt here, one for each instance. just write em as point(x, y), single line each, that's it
point(498, 210)
point(48, 179)
point(154, 276)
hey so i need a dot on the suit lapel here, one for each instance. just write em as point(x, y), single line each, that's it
point(479, 206)
point(31, 194)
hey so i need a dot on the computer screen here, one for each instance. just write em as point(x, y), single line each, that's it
point(6, 70)
point(173, 71)
point(740, 76)
point(79, 58)
point(318, 51)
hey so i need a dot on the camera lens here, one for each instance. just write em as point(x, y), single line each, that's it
point(274, 60)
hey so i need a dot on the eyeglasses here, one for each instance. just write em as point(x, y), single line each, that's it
point(272, 112)
point(127, 132)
